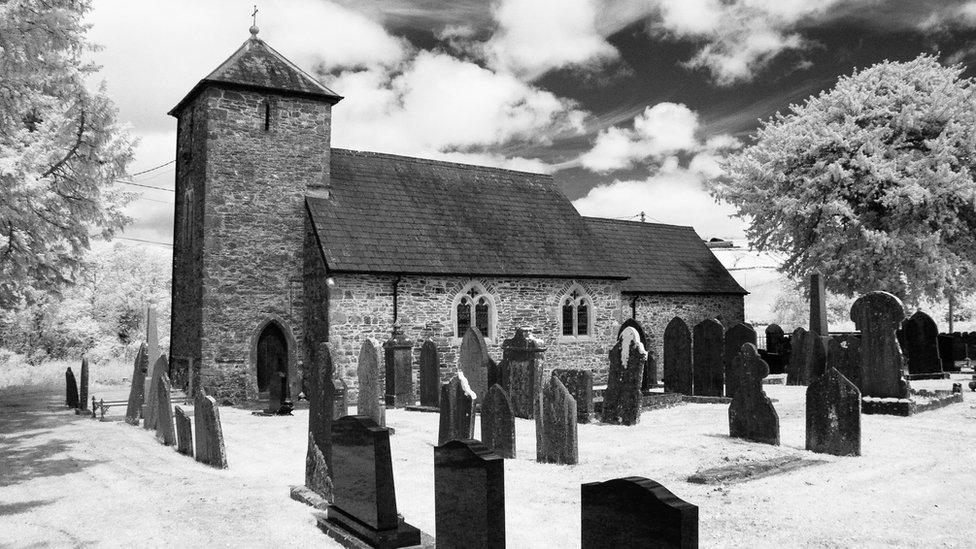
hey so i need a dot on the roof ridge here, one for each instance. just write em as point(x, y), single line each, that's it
point(433, 161)
point(611, 220)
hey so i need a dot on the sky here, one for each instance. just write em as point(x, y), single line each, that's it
point(631, 105)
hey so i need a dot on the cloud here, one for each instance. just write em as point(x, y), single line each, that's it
point(661, 130)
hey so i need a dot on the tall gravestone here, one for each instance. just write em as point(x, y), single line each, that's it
point(777, 352)
point(208, 432)
point(707, 346)
point(579, 383)
point(833, 409)
point(815, 363)
point(844, 355)
point(368, 370)
point(398, 357)
point(520, 372)
point(498, 422)
point(165, 431)
point(70, 389)
point(340, 402)
point(649, 376)
point(457, 412)
point(149, 415)
point(818, 305)
point(184, 432)
point(920, 342)
point(735, 338)
point(474, 361)
point(364, 492)
point(83, 386)
point(878, 315)
point(321, 411)
point(799, 343)
point(152, 346)
point(947, 354)
point(751, 413)
point(556, 438)
point(678, 374)
point(622, 398)
point(636, 513)
point(136, 391)
point(430, 375)
point(469, 495)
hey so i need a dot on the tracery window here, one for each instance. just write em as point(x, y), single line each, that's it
point(474, 308)
point(575, 317)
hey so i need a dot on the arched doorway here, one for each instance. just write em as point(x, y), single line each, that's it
point(272, 366)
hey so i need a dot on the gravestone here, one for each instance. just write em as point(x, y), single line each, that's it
point(469, 495)
point(844, 355)
point(878, 315)
point(579, 383)
point(498, 422)
point(818, 306)
point(474, 361)
point(340, 402)
point(636, 513)
point(150, 409)
point(735, 338)
point(137, 391)
point(184, 432)
point(775, 338)
point(70, 389)
point(678, 374)
point(623, 398)
point(751, 413)
point(322, 407)
point(799, 343)
point(430, 375)
point(83, 386)
point(152, 350)
point(816, 362)
point(208, 434)
point(398, 358)
point(165, 432)
point(368, 403)
point(555, 425)
point(457, 410)
point(317, 477)
point(708, 370)
point(920, 342)
point(649, 376)
point(946, 353)
point(364, 493)
point(520, 372)
point(833, 411)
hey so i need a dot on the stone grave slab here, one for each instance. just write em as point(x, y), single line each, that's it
point(368, 370)
point(877, 315)
point(844, 355)
point(398, 358)
point(469, 494)
point(751, 413)
point(636, 513)
point(622, 398)
point(430, 375)
point(70, 389)
point(137, 390)
point(498, 422)
point(184, 432)
point(919, 339)
point(151, 407)
point(474, 362)
point(678, 375)
point(833, 415)
point(708, 370)
point(165, 431)
point(751, 470)
point(579, 383)
point(457, 412)
point(555, 425)
point(208, 434)
point(735, 338)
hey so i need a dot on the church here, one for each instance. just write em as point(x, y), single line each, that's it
point(283, 243)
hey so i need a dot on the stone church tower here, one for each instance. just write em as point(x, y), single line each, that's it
point(253, 138)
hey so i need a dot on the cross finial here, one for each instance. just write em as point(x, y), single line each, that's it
point(254, 22)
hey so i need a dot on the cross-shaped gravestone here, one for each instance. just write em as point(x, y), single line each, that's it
point(709, 372)
point(878, 315)
point(751, 413)
point(678, 374)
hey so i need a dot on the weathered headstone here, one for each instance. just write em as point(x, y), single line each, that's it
point(70, 389)
point(920, 342)
point(208, 433)
point(368, 403)
point(844, 355)
point(474, 362)
point(165, 432)
point(636, 513)
point(149, 415)
point(364, 492)
point(398, 358)
point(818, 305)
point(622, 399)
point(340, 402)
point(498, 422)
point(555, 425)
point(321, 412)
point(430, 375)
point(152, 348)
point(816, 363)
point(751, 413)
point(799, 343)
point(708, 370)
point(678, 375)
point(136, 392)
point(833, 411)
point(579, 383)
point(83, 385)
point(735, 338)
point(649, 376)
point(775, 338)
point(469, 495)
point(184, 432)
point(520, 372)
point(878, 315)
point(457, 410)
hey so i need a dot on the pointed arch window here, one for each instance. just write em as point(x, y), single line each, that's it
point(575, 314)
point(474, 307)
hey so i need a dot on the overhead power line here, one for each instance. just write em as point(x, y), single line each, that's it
point(154, 168)
point(147, 186)
point(167, 244)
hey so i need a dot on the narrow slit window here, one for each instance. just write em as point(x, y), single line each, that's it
point(267, 116)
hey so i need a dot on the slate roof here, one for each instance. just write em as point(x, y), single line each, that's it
point(396, 214)
point(256, 65)
point(660, 258)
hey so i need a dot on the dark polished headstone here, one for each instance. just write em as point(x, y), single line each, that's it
point(498, 422)
point(579, 383)
point(430, 375)
point(833, 409)
point(844, 355)
point(919, 337)
point(184, 432)
point(70, 389)
point(208, 432)
point(474, 361)
point(457, 410)
point(818, 305)
point(398, 357)
point(165, 432)
point(520, 372)
point(469, 495)
point(678, 374)
point(622, 399)
point(157, 371)
point(556, 438)
point(946, 353)
point(636, 513)
point(364, 492)
point(138, 388)
point(799, 343)
point(83, 385)
point(878, 315)
point(707, 347)
point(735, 338)
point(368, 371)
point(751, 413)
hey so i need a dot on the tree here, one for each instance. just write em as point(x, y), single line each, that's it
point(871, 183)
point(61, 148)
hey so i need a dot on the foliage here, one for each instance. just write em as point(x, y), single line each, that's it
point(791, 308)
point(61, 149)
point(870, 183)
